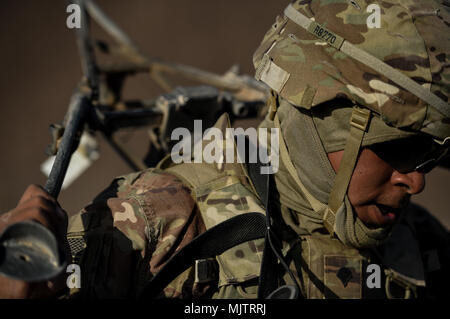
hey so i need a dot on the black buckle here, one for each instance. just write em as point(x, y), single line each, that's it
point(205, 270)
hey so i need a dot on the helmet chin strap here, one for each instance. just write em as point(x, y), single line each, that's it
point(359, 122)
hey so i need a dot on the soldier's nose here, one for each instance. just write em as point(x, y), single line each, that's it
point(414, 182)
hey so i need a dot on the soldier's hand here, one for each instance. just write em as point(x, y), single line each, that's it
point(36, 205)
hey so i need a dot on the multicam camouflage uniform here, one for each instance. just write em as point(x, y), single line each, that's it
point(141, 220)
point(130, 230)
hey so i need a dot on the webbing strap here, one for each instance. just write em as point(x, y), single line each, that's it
point(359, 122)
point(213, 242)
point(362, 56)
point(268, 277)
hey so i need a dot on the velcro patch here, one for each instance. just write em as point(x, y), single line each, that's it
point(343, 277)
point(271, 74)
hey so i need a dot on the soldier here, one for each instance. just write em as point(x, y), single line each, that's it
point(363, 116)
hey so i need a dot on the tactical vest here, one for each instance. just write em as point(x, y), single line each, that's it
point(327, 268)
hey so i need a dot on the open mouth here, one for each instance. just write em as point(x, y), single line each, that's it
point(387, 214)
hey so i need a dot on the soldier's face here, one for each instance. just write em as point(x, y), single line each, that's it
point(377, 191)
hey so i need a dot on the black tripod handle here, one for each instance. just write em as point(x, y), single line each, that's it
point(76, 115)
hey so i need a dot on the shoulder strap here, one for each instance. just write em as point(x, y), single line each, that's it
point(268, 279)
point(211, 243)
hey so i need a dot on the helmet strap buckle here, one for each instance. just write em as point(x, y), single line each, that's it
point(359, 122)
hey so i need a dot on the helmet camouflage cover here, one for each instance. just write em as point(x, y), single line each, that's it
point(321, 60)
point(324, 52)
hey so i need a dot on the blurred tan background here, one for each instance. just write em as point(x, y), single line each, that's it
point(40, 68)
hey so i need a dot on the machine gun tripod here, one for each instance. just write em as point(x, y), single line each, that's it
point(28, 251)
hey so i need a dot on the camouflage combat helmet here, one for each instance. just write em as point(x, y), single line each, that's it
point(322, 50)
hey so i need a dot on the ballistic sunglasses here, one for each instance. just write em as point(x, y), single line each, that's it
point(420, 154)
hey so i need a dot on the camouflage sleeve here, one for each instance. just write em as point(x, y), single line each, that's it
point(129, 232)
